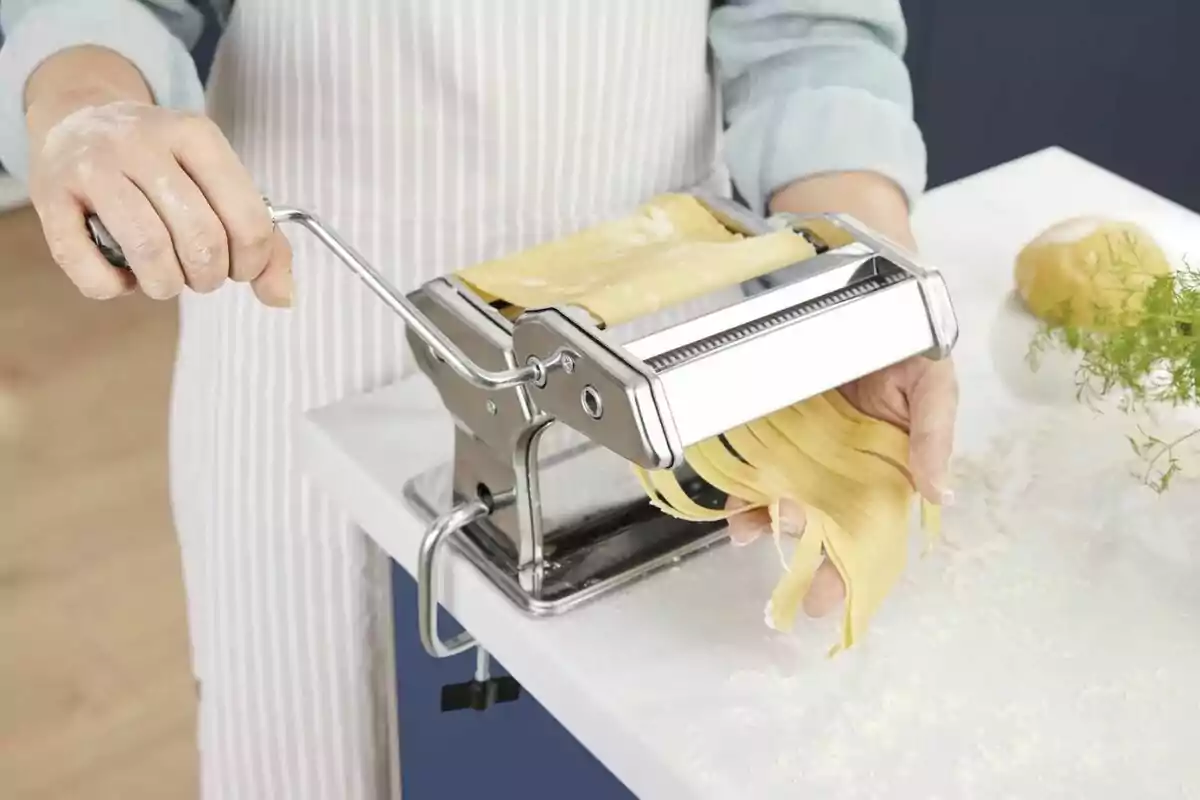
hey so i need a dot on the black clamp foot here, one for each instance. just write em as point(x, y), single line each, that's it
point(483, 691)
point(479, 695)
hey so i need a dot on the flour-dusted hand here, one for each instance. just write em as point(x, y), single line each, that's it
point(167, 185)
point(921, 396)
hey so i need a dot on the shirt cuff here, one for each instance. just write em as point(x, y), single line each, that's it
point(123, 26)
point(820, 130)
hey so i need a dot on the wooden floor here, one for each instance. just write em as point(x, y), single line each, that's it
point(96, 698)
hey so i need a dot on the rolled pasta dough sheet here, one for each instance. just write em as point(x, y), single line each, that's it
point(670, 251)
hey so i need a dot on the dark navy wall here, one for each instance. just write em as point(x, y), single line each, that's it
point(1116, 81)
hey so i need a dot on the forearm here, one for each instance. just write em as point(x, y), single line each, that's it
point(814, 90)
point(869, 197)
point(76, 78)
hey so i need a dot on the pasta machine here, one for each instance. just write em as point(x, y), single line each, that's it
point(554, 521)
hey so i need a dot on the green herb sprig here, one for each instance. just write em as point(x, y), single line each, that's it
point(1148, 355)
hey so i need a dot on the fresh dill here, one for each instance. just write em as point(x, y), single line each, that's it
point(1147, 353)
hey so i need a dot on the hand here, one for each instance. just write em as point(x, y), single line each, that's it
point(918, 395)
point(921, 397)
point(167, 185)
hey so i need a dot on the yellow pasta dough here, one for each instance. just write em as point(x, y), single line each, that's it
point(671, 250)
point(847, 471)
point(1089, 272)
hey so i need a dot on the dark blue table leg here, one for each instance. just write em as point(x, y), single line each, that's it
point(511, 750)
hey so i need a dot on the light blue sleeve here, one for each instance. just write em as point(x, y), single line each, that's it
point(813, 86)
point(154, 35)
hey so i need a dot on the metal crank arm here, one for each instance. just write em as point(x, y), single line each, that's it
point(392, 297)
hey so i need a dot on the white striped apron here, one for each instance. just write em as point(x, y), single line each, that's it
point(432, 135)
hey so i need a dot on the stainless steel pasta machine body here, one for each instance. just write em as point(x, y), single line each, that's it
point(556, 517)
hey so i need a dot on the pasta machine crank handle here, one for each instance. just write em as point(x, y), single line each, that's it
point(392, 297)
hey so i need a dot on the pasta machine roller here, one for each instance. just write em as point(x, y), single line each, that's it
point(555, 520)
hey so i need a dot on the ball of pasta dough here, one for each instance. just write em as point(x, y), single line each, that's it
point(1089, 272)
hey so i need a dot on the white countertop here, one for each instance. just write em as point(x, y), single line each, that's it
point(1049, 647)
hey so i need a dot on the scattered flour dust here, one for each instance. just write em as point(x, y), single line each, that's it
point(1046, 647)
point(70, 143)
point(653, 226)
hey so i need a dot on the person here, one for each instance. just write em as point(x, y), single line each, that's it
point(432, 134)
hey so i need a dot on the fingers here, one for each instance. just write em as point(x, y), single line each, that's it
point(172, 193)
point(208, 158)
point(792, 521)
point(933, 404)
point(72, 249)
point(197, 234)
point(142, 234)
point(828, 590)
point(744, 528)
point(274, 286)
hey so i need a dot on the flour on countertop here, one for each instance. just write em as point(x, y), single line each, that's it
point(1047, 646)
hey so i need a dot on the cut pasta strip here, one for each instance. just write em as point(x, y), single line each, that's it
point(656, 500)
point(931, 523)
point(855, 429)
point(761, 443)
point(663, 482)
point(789, 593)
point(807, 433)
point(871, 560)
point(713, 462)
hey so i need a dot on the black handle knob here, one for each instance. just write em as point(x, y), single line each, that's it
point(105, 242)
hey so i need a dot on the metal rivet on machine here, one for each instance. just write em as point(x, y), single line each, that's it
point(491, 407)
point(592, 405)
point(568, 363)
